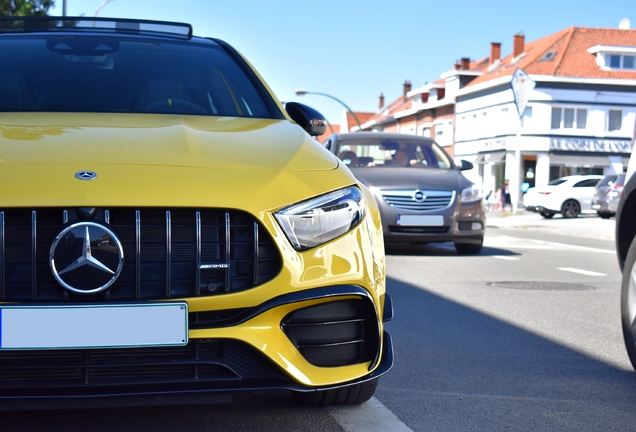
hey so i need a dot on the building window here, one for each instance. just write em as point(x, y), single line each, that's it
point(615, 120)
point(617, 61)
point(568, 118)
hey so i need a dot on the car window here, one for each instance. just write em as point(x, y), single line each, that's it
point(382, 153)
point(586, 183)
point(608, 180)
point(556, 182)
point(119, 74)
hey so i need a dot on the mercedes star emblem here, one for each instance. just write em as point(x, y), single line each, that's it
point(86, 258)
point(85, 175)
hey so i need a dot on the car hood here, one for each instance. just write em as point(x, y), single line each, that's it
point(186, 141)
point(161, 160)
point(411, 178)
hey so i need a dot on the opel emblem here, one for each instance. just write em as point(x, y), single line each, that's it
point(85, 175)
point(86, 258)
point(419, 196)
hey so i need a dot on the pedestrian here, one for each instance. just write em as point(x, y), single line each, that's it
point(504, 196)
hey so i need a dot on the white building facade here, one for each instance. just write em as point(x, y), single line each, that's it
point(572, 124)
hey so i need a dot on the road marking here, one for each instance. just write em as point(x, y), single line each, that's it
point(370, 416)
point(506, 257)
point(508, 242)
point(583, 272)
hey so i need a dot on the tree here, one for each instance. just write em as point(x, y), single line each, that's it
point(25, 7)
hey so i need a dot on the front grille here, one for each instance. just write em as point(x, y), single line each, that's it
point(418, 230)
point(201, 363)
point(418, 200)
point(168, 253)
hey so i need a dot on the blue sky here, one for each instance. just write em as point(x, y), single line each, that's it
point(355, 50)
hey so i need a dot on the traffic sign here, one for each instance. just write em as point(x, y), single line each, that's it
point(522, 86)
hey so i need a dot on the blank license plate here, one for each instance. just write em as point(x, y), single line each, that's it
point(411, 220)
point(107, 326)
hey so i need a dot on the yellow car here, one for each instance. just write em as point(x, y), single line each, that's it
point(169, 230)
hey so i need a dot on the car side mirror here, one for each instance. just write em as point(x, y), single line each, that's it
point(308, 118)
point(464, 165)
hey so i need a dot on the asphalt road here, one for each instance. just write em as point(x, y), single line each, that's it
point(524, 336)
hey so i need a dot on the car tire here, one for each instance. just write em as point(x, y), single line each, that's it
point(468, 248)
point(570, 209)
point(628, 303)
point(350, 395)
point(546, 214)
point(604, 215)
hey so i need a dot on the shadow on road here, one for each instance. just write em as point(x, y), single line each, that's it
point(457, 369)
point(439, 249)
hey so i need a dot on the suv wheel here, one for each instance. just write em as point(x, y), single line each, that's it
point(467, 248)
point(628, 303)
point(349, 395)
point(604, 215)
point(546, 214)
point(570, 209)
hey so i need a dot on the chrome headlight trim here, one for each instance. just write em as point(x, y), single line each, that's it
point(318, 220)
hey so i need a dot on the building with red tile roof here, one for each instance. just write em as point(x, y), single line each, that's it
point(578, 119)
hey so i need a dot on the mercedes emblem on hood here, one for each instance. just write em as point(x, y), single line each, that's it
point(85, 175)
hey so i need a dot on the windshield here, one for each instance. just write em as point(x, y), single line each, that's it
point(379, 153)
point(58, 73)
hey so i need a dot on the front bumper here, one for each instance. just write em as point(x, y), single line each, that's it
point(462, 223)
point(203, 371)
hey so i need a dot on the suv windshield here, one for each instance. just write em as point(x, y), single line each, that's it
point(71, 73)
point(375, 153)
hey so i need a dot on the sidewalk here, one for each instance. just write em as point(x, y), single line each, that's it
point(590, 226)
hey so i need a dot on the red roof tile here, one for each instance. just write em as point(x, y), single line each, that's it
point(571, 59)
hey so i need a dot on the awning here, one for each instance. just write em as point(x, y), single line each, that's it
point(490, 158)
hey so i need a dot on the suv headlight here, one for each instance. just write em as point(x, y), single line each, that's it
point(471, 194)
point(319, 220)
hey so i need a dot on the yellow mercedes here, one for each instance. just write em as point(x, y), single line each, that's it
point(169, 230)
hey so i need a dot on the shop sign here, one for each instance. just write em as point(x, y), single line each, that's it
point(591, 145)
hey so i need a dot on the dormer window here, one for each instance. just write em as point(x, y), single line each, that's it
point(614, 57)
point(617, 61)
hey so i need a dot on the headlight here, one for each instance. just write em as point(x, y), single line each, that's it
point(471, 194)
point(319, 220)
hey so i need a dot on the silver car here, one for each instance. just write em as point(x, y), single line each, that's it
point(422, 195)
point(608, 194)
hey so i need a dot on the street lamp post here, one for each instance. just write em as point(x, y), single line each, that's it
point(303, 92)
point(104, 3)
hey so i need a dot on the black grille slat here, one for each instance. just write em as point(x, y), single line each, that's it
point(163, 257)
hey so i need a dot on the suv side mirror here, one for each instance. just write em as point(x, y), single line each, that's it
point(464, 165)
point(308, 118)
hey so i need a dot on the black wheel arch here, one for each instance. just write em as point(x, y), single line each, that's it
point(626, 221)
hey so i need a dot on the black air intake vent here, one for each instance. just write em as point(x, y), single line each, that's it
point(337, 333)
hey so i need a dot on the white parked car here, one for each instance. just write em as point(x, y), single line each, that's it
point(570, 196)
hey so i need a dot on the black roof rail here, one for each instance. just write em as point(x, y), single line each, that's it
point(99, 25)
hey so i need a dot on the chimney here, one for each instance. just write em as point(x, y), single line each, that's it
point(465, 63)
point(457, 65)
point(381, 102)
point(407, 88)
point(518, 44)
point(495, 51)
